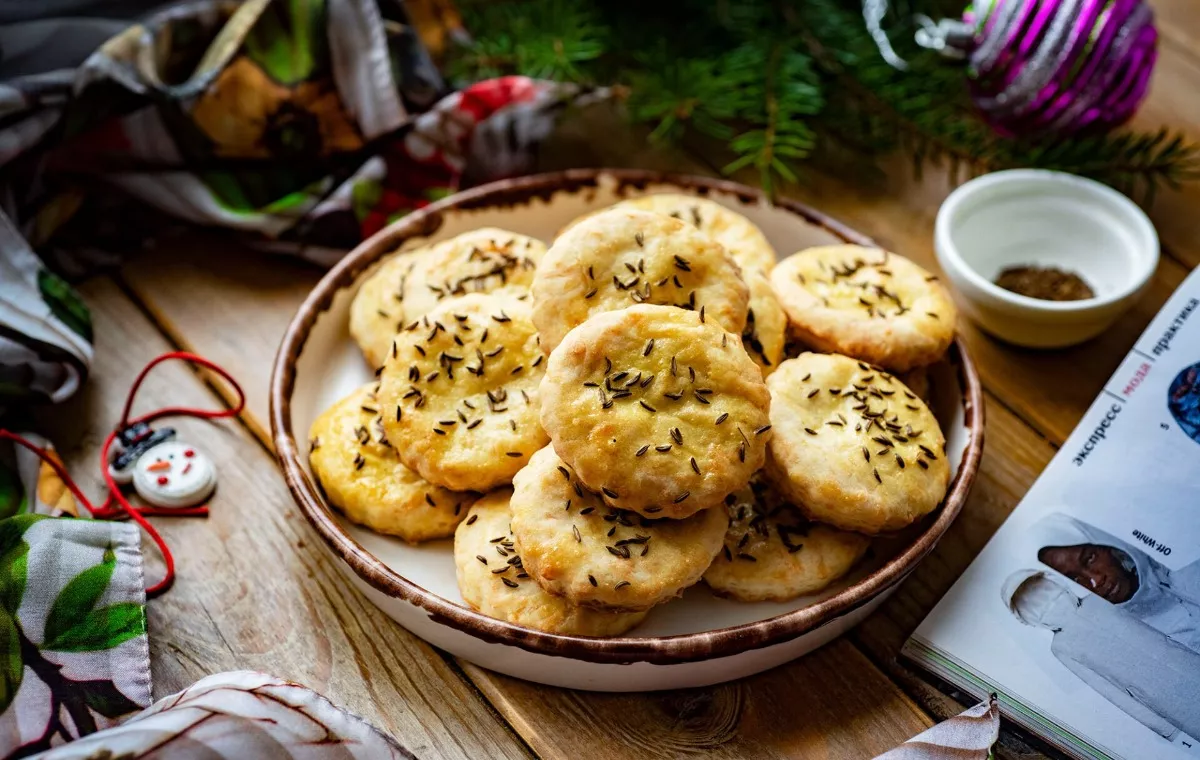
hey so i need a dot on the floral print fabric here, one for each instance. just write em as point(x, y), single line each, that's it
point(45, 330)
point(74, 656)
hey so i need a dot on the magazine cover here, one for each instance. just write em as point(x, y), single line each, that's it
point(1083, 611)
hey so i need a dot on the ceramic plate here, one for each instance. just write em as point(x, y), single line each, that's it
point(698, 639)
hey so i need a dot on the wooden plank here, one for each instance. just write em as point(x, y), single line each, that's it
point(192, 293)
point(253, 589)
point(822, 705)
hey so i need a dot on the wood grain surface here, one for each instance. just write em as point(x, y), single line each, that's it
point(255, 591)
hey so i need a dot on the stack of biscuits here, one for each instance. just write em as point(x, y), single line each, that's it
point(650, 401)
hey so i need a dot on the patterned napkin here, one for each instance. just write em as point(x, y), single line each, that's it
point(73, 618)
point(239, 716)
point(967, 736)
point(45, 330)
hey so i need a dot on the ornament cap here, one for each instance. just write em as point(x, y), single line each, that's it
point(950, 37)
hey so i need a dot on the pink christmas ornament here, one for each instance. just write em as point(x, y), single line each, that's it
point(1059, 66)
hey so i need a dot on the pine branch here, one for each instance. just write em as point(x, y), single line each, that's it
point(754, 90)
point(677, 93)
point(544, 39)
point(1135, 164)
point(779, 136)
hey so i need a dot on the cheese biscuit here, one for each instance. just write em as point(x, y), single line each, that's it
point(480, 261)
point(492, 580)
point(774, 553)
point(658, 409)
point(459, 392)
point(621, 258)
point(377, 311)
point(577, 547)
point(744, 241)
point(865, 303)
point(363, 477)
point(853, 446)
point(766, 324)
point(411, 283)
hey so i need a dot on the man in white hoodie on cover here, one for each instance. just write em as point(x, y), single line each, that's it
point(1150, 677)
point(1166, 600)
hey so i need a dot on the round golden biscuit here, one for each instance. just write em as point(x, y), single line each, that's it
point(492, 580)
point(744, 241)
point(480, 261)
point(363, 477)
point(576, 547)
point(766, 324)
point(853, 446)
point(621, 258)
point(774, 553)
point(409, 284)
point(377, 311)
point(866, 303)
point(657, 409)
point(459, 391)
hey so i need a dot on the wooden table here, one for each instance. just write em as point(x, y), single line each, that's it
point(256, 591)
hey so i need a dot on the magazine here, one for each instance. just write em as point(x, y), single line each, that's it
point(1083, 612)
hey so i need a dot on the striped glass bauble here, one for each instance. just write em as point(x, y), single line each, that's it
point(1056, 67)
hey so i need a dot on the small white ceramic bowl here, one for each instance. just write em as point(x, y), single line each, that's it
point(1043, 218)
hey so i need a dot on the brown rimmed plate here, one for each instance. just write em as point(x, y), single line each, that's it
point(698, 639)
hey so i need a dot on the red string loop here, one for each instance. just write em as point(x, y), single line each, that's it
point(106, 511)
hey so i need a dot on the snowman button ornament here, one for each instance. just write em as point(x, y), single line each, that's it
point(165, 472)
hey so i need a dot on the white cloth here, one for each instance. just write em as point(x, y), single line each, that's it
point(967, 736)
point(1151, 677)
point(238, 716)
point(1166, 600)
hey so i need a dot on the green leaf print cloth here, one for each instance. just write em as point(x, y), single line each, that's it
point(45, 329)
point(74, 657)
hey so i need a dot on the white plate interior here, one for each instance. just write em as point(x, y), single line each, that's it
point(331, 366)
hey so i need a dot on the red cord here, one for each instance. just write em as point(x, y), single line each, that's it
point(106, 511)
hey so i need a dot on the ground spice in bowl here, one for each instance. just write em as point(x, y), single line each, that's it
point(1045, 283)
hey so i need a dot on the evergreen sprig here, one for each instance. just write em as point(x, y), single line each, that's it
point(545, 39)
point(771, 80)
